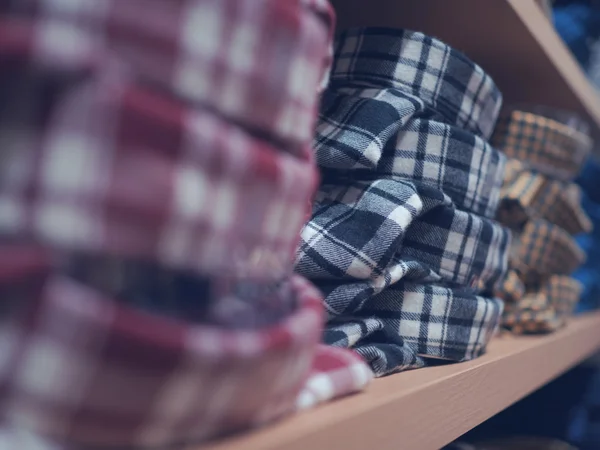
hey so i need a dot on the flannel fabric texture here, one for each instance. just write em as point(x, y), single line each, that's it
point(512, 288)
point(545, 144)
point(173, 133)
point(257, 64)
point(528, 195)
point(68, 182)
point(407, 324)
point(389, 230)
point(220, 301)
point(381, 116)
point(211, 197)
point(83, 369)
point(401, 238)
point(334, 373)
point(543, 249)
point(545, 307)
point(366, 131)
point(434, 75)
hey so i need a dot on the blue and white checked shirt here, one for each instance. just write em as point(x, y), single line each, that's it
point(401, 239)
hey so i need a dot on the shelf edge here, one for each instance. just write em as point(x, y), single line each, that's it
point(428, 408)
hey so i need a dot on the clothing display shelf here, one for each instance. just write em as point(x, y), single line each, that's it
point(427, 408)
point(513, 40)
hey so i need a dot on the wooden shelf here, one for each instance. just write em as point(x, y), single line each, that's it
point(513, 40)
point(427, 408)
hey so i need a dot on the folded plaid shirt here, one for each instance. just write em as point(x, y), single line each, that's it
point(83, 369)
point(381, 117)
point(545, 307)
point(257, 63)
point(334, 373)
point(552, 148)
point(389, 230)
point(210, 197)
point(512, 288)
point(370, 131)
point(68, 181)
point(403, 187)
point(407, 324)
point(146, 139)
point(434, 74)
point(371, 242)
point(530, 195)
point(544, 249)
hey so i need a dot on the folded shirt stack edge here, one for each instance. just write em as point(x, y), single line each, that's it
point(542, 204)
point(146, 157)
point(402, 239)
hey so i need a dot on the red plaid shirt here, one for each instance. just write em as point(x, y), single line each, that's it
point(175, 132)
point(256, 63)
point(82, 369)
point(187, 106)
point(125, 170)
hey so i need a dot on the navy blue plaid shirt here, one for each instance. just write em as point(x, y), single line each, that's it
point(401, 239)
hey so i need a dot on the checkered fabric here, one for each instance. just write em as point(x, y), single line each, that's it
point(335, 372)
point(529, 195)
point(18, 264)
point(408, 324)
point(544, 249)
point(389, 230)
point(80, 368)
point(146, 140)
point(547, 145)
point(140, 175)
point(433, 73)
point(22, 274)
point(258, 63)
point(545, 307)
point(372, 131)
point(226, 301)
point(407, 177)
point(512, 288)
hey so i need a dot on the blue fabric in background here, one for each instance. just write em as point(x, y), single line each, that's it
point(569, 407)
point(578, 23)
point(589, 272)
point(584, 420)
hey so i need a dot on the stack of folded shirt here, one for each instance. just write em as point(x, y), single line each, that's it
point(155, 174)
point(402, 239)
point(543, 207)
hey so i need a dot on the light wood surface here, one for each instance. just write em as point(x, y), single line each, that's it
point(513, 40)
point(427, 408)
